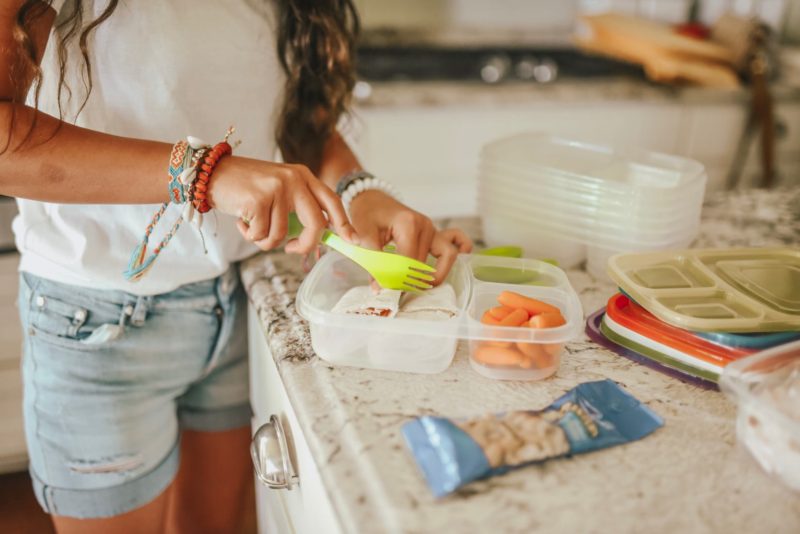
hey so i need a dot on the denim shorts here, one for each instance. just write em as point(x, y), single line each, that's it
point(111, 378)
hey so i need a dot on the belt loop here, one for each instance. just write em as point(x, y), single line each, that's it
point(139, 311)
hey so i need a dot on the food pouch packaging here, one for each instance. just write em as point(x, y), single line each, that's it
point(589, 417)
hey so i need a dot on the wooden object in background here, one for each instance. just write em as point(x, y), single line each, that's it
point(665, 55)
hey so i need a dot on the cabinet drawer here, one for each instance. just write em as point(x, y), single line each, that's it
point(305, 508)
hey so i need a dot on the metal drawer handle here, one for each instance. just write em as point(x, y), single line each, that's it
point(271, 456)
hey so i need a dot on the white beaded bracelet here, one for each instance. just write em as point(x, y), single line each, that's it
point(366, 184)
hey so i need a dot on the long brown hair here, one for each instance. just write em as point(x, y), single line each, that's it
point(316, 47)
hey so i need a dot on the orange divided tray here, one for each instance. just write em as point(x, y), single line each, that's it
point(632, 316)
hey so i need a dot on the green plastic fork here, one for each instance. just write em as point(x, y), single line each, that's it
point(390, 271)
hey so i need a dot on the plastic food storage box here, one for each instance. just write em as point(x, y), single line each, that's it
point(766, 388)
point(715, 290)
point(428, 346)
point(585, 201)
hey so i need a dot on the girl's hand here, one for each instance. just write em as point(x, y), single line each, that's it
point(378, 218)
point(262, 194)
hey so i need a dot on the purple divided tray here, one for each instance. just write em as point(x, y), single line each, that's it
point(594, 333)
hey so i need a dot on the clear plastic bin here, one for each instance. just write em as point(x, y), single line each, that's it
point(591, 220)
point(621, 238)
point(592, 165)
point(662, 211)
point(766, 388)
point(426, 346)
point(532, 178)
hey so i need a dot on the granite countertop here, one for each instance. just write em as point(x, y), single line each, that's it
point(439, 93)
point(688, 476)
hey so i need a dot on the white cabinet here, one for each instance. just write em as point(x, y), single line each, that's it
point(431, 151)
point(13, 456)
point(306, 508)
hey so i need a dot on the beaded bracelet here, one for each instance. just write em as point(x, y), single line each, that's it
point(366, 184)
point(199, 189)
point(351, 177)
point(184, 178)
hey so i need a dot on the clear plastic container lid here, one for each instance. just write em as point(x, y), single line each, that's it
point(533, 179)
point(664, 208)
point(591, 164)
point(715, 290)
point(766, 387)
point(589, 219)
point(617, 238)
point(679, 212)
point(428, 346)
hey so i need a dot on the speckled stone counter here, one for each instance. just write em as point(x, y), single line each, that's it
point(690, 476)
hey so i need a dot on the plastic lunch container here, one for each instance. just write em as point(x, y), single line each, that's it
point(659, 352)
point(594, 165)
point(531, 180)
point(680, 210)
point(633, 317)
point(594, 332)
point(426, 346)
point(616, 238)
point(750, 341)
point(766, 387)
point(591, 221)
point(715, 290)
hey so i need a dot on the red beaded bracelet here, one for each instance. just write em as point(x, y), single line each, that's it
point(199, 191)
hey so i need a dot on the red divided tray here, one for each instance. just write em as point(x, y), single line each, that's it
point(633, 317)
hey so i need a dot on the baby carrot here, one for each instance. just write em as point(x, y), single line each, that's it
point(489, 355)
point(536, 354)
point(500, 312)
point(501, 344)
point(532, 306)
point(547, 320)
point(516, 318)
point(489, 320)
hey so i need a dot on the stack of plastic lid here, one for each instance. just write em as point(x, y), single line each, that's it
point(574, 201)
point(695, 312)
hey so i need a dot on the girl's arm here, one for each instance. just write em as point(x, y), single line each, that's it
point(63, 163)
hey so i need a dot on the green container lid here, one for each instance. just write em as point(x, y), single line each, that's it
point(715, 290)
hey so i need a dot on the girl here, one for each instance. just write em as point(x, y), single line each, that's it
point(125, 374)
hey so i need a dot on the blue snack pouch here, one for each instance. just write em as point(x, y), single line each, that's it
point(589, 417)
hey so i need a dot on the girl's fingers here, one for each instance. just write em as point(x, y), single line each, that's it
point(279, 225)
point(445, 253)
point(332, 205)
point(242, 227)
point(426, 235)
point(310, 214)
point(371, 240)
point(459, 239)
point(405, 237)
point(258, 225)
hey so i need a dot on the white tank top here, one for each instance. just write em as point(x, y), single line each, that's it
point(161, 70)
